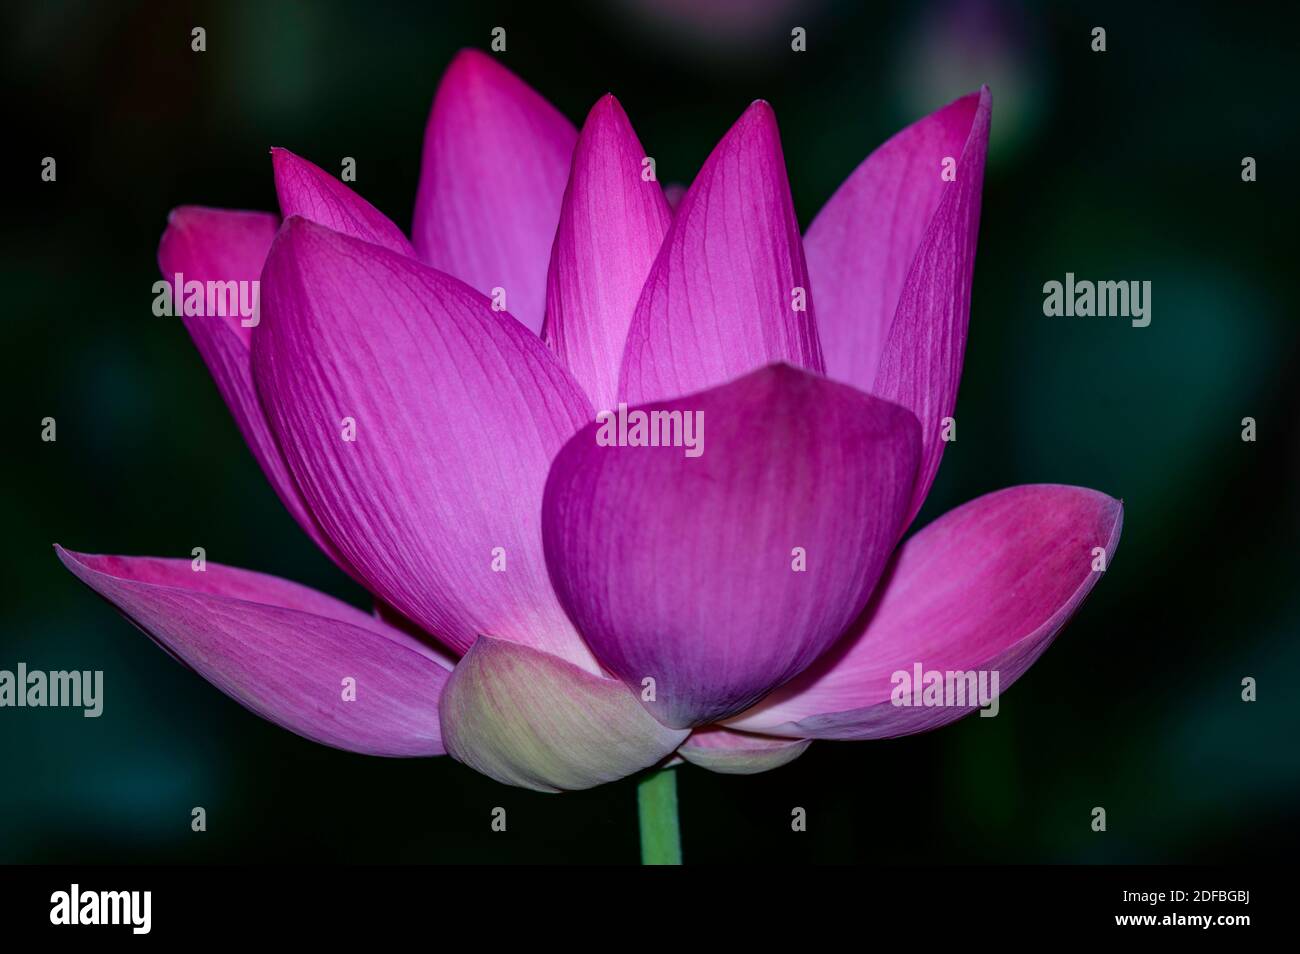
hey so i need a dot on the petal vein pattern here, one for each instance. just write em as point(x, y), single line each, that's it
point(420, 425)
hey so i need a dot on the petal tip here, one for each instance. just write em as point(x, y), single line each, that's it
point(471, 64)
point(758, 114)
point(179, 222)
point(298, 228)
point(281, 158)
point(71, 558)
point(606, 109)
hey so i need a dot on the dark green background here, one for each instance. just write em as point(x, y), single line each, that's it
point(1122, 165)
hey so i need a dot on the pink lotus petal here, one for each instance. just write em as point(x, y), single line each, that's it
point(611, 226)
point(720, 299)
point(985, 587)
point(496, 159)
point(457, 411)
point(526, 718)
point(681, 569)
point(738, 753)
point(221, 245)
point(282, 650)
point(862, 244)
point(307, 190)
point(891, 256)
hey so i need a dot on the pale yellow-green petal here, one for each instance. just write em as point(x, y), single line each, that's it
point(739, 753)
point(527, 718)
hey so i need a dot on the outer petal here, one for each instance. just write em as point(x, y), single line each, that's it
point(219, 245)
point(685, 569)
point(281, 650)
point(526, 718)
point(307, 190)
point(862, 244)
point(720, 299)
point(611, 226)
point(891, 256)
point(739, 753)
point(985, 587)
point(457, 413)
point(496, 158)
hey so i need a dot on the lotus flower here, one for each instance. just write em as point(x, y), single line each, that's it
point(555, 611)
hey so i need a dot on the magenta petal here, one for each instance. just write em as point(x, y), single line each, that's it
point(985, 587)
point(281, 650)
point(720, 300)
point(891, 256)
point(307, 190)
point(496, 159)
point(455, 413)
point(611, 226)
point(862, 244)
point(739, 753)
point(685, 569)
point(220, 245)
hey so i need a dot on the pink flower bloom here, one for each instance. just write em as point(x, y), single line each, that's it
point(584, 610)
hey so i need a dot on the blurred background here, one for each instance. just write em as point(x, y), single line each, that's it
point(1119, 165)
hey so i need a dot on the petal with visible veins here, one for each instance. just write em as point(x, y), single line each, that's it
point(891, 257)
point(985, 587)
point(720, 576)
point(496, 159)
point(526, 718)
point(720, 299)
point(307, 190)
point(282, 650)
point(457, 411)
point(612, 223)
point(222, 245)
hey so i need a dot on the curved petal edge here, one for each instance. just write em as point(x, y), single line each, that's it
point(420, 425)
point(225, 245)
point(727, 752)
point(719, 553)
point(527, 718)
point(296, 657)
point(967, 606)
point(496, 159)
point(612, 224)
point(307, 190)
point(729, 291)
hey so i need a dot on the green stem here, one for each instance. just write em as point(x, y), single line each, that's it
point(656, 799)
